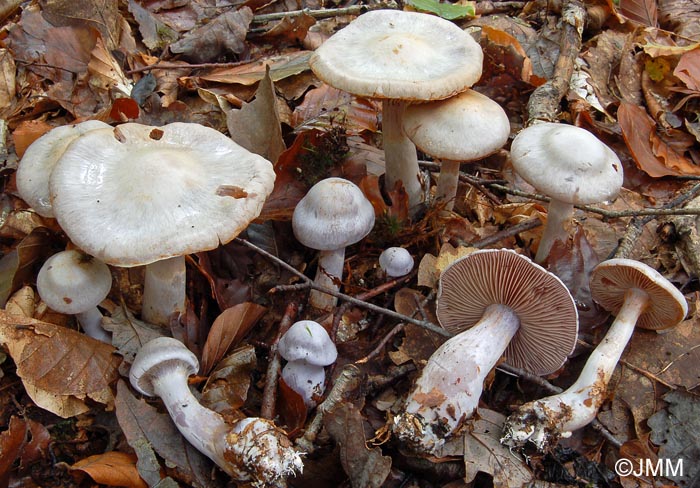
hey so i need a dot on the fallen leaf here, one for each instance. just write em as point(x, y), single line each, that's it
point(256, 125)
point(17, 266)
point(102, 15)
point(281, 67)
point(290, 407)
point(226, 389)
point(27, 132)
point(366, 468)
point(112, 469)
point(228, 327)
point(60, 368)
point(154, 33)
point(7, 79)
point(449, 11)
point(129, 334)
point(688, 69)
point(643, 11)
point(290, 29)
point(326, 107)
point(105, 71)
point(11, 444)
point(222, 36)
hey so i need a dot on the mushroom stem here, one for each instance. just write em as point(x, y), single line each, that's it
point(164, 290)
point(447, 183)
point(328, 275)
point(544, 421)
point(559, 214)
point(91, 322)
point(250, 449)
point(448, 389)
point(400, 155)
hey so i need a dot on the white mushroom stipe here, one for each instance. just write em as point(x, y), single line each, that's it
point(511, 307)
point(639, 296)
point(332, 215)
point(73, 283)
point(251, 449)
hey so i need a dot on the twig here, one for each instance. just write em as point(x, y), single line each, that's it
point(398, 328)
point(324, 13)
point(527, 224)
point(267, 408)
point(342, 296)
point(165, 65)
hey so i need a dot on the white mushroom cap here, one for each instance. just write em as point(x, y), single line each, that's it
point(332, 215)
point(39, 160)
point(567, 163)
point(308, 341)
point(466, 127)
point(396, 261)
point(71, 282)
point(137, 194)
point(399, 55)
point(159, 355)
point(304, 378)
point(547, 312)
point(611, 279)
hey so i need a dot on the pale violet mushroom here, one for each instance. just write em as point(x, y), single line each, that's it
point(396, 261)
point(333, 215)
point(638, 296)
point(460, 129)
point(500, 304)
point(251, 449)
point(74, 283)
point(569, 165)
point(39, 160)
point(399, 57)
point(307, 347)
point(142, 195)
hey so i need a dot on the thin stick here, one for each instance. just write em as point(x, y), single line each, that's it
point(267, 408)
point(324, 13)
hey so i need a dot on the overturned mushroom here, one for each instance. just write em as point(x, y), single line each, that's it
point(637, 295)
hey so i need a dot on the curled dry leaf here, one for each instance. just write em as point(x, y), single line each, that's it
point(111, 469)
point(59, 367)
point(227, 387)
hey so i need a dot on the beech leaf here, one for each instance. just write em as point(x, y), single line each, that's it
point(111, 469)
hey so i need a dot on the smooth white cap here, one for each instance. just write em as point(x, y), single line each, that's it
point(332, 215)
point(396, 261)
point(160, 356)
point(399, 55)
point(39, 160)
point(567, 163)
point(308, 341)
point(71, 282)
point(611, 279)
point(304, 378)
point(466, 127)
point(137, 194)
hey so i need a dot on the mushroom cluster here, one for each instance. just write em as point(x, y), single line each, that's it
point(141, 195)
point(393, 55)
point(500, 304)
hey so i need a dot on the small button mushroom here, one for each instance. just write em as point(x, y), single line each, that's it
point(637, 295)
point(510, 307)
point(464, 128)
point(251, 449)
point(74, 283)
point(396, 261)
point(332, 215)
point(308, 348)
point(39, 160)
point(569, 165)
point(141, 195)
point(392, 55)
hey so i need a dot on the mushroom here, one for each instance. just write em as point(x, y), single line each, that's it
point(464, 128)
point(569, 165)
point(333, 215)
point(393, 55)
point(308, 348)
point(396, 261)
point(637, 295)
point(250, 449)
point(511, 308)
point(136, 195)
point(39, 160)
point(74, 283)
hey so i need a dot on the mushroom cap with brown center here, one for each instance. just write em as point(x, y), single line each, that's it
point(466, 127)
point(136, 194)
point(611, 279)
point(399, 55)
point(567, 163)
point(547, 312)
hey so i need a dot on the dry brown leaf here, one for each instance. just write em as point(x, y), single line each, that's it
point(7, 79)
point(27, 132)
point(507, 61)
point(250, 73)
point(688, 69)
point(112, 469)
point(106, 73)
point(230, 325)
point(290, 29)
point(102, 15)
point(154, 33)
point(639, 132)
point(17, 266)
point(643, 11)
point(256, 126)
point(227, 387)
point(325, 107)
point(60, 368)
point(11, 443)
